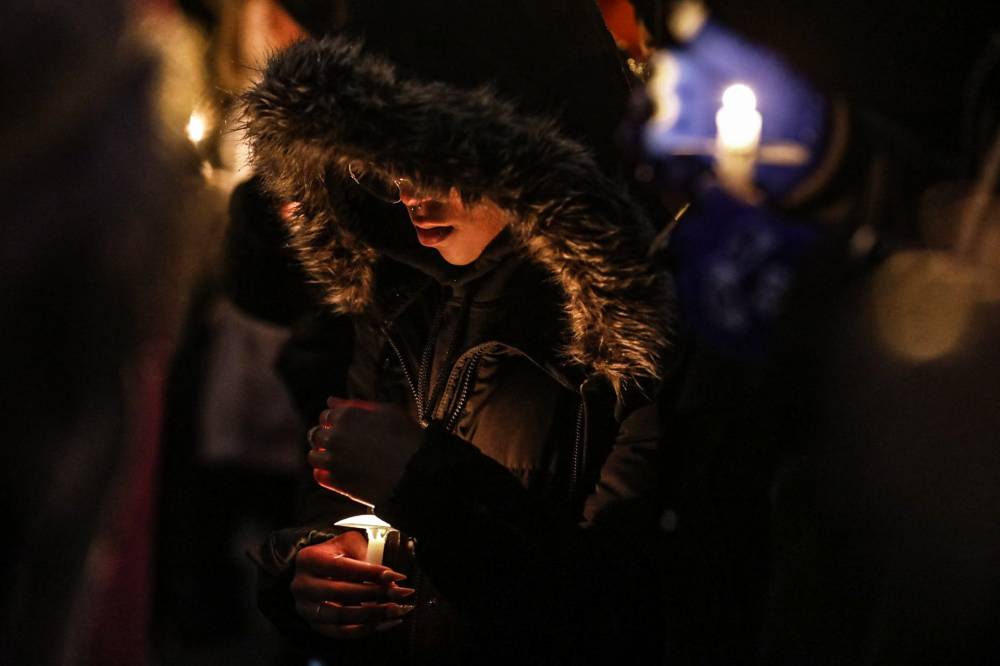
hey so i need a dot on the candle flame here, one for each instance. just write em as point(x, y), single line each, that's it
point(922, 302)
point(740, 98)
point(377, 531)
point(738, 121)
point(738, 128)
point(197, 127)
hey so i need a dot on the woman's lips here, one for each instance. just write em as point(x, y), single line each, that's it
point(431, 236)
point(426, 216)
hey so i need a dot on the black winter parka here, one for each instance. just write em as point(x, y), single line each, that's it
point(533, 506)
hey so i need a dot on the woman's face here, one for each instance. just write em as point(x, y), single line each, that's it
point(459, 232)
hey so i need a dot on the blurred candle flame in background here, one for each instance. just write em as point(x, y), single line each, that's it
point(923, 302)
point(197, 127)
point(738, 124)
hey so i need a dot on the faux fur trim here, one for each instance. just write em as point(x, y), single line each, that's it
point(323, 103)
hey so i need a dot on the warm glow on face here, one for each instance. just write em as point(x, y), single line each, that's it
point(459, 232)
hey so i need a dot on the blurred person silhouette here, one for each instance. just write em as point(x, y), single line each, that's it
point(805, 443)
point(92, 288)
point(735, 254)
point(504, 301)
point(886, 533)
point(229, 423)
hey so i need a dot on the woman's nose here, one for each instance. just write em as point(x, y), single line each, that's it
point(408, 195)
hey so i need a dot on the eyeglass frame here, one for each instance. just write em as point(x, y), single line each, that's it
point(396, 182)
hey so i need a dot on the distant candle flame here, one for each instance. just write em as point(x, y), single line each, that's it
point(738, 121)
point(739, 97)
point(197, 127)
point(922, 302)
point(737, 140)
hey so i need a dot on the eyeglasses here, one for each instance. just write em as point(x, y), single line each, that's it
point(385, 188)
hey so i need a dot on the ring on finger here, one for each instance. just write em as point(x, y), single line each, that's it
point(319, 611)
point(310, 434)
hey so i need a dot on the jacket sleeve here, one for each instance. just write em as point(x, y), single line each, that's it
point(542, 582)
point(275, 560)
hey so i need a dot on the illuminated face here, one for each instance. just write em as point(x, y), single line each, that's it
point(459, 232)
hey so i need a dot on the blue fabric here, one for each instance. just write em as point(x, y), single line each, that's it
point(734, 266)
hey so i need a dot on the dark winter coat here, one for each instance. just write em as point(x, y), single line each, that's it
point(534, 501)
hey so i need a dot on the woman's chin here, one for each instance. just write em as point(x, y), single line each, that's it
point(455, 258)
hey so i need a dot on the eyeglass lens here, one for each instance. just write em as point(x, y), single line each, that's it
point(389, 190)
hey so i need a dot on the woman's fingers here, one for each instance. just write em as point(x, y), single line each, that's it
point(346, 622)
point(312, 588)
point(340, 411)
point(355, 630)
point(334, 402)
point(330, 422)
point(319, 438)
point(327, 418)
point(320, 458)
point(327, 613)
point(340, 567)
point(350, 544)
point(340, 595)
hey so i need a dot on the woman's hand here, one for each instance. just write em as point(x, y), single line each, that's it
point(362, 448)
point(340, 595)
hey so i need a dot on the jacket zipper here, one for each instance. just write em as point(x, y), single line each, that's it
point(577, 453)
point(406, 370)
point(576, 456)
point(473, 355)
point(465, 389)
point(417, 578)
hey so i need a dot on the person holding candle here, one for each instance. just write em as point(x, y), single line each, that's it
point(716, 96)
point(809, 553)
point(456, 196)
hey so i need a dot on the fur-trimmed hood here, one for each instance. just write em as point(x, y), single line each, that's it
point(322, 104)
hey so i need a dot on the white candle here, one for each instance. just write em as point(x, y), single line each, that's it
point(377, 531)
point(738, 125)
